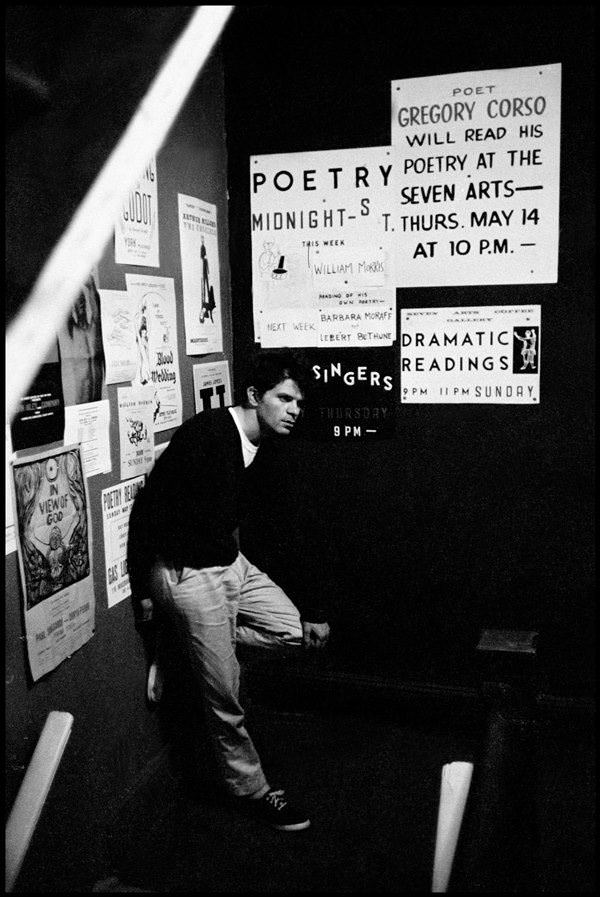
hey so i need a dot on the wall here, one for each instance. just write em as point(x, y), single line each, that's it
point(473, 515)
point(115, 735)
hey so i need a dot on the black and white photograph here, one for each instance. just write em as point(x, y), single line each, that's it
point(300, 569)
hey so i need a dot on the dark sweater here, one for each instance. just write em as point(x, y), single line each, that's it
point(194, 500)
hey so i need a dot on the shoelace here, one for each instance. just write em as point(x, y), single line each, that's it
point(276, 799)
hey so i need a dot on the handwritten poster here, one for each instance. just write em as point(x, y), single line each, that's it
point(321, 228)
point(344, 318)
point(199, 244)
point(471, 354)
point(156, 337)
point(136, 230)
point(212, 386)
point(136, 430)
point(117, 502)
point(54, 542)
point(477, 192)
point(118, 336)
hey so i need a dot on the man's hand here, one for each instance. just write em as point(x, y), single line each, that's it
point(315, 635)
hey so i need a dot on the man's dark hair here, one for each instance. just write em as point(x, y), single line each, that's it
point(268, 368)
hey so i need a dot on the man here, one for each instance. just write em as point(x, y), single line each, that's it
point(183, 554)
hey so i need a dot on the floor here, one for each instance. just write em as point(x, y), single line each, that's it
point(371, 785)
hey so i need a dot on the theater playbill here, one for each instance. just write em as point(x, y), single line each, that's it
point(51, 510)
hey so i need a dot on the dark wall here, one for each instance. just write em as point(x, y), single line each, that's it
point(472, 515)
point(115, 734)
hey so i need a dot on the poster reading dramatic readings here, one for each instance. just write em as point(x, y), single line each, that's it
point(136, 230)
point(321, 241)
point(54, 543)
point(477, 190)
point(117, 502)
point(212, 387)
point(156, 337)
point(480, 354)
point(199, 243)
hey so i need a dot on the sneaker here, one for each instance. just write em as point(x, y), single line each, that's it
point(273, 809)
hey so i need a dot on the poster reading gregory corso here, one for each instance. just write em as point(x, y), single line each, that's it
point(51, 510)
point(477, 189)
point(478, 354)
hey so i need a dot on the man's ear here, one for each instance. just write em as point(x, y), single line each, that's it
point(253, 396)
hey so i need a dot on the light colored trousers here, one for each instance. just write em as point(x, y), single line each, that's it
point(212, 609)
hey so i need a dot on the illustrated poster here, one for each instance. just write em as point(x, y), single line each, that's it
point(54, 543)
point(136, 430)
point(199, 244)
point(118, 336)
point(136, 229)
point(477, 192)
point(471, 354)
point(212, 386)
point(321, 232)
point(117, 502)
point(156, 336)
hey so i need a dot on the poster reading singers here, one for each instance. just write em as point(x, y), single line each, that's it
point(54, 548)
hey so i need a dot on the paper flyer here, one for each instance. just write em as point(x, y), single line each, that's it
point(199, 244)
point(136, 430)
point(477, 192)
point(471, 354)
point(156, 336)
point(89, 425)
point(212, 386)
point(118, 336)
point(54, 543)
point(321, 239)
point(117, 502)
point(136, 229)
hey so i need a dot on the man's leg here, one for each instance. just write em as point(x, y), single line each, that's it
point(202, 605)
point(266, 616)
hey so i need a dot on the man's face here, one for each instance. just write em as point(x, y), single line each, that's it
point(279, 408)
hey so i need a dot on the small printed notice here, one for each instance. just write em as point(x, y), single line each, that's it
point(212, 387)
point(477, 191)
point(136, 430)
point(118, 336)
point(54, 543)
point(89, 424)
point(480, 354)
point(321, 226)
point(136, 230)
point(117, 502)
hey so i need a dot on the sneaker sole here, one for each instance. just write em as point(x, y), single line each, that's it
point(292, 827)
